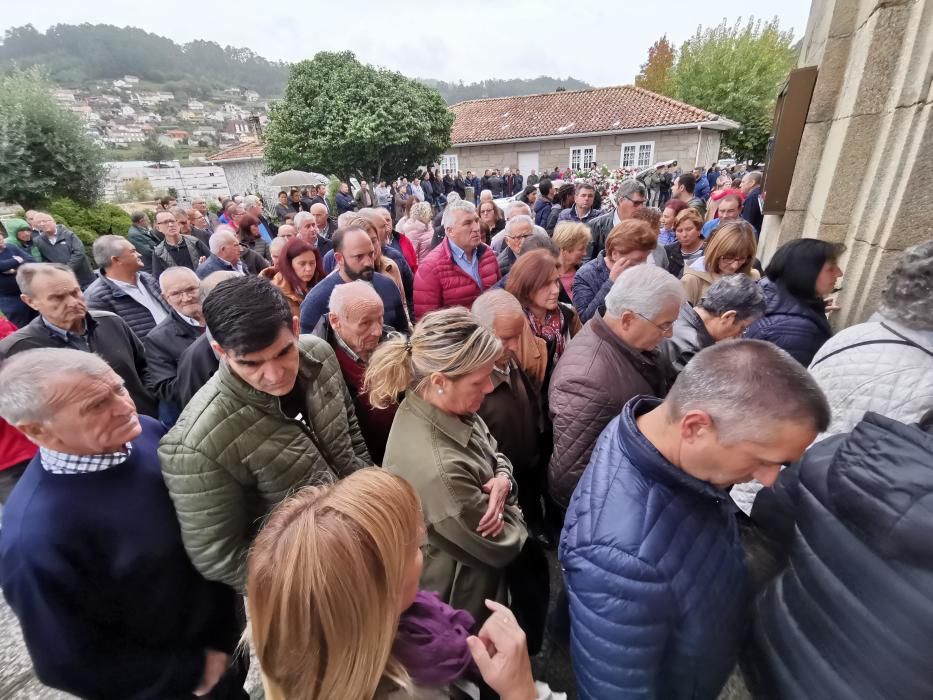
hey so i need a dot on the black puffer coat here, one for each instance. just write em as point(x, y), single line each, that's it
point(104, 295)
point(851, 613)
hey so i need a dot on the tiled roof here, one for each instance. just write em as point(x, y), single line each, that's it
point(242, 151)
point(610, 109)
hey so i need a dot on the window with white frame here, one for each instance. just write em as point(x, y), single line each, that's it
point(450, 164)
point(637, 155)
point(582, 157)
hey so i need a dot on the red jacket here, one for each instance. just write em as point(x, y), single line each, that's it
point(440, 283)
point(14, 446)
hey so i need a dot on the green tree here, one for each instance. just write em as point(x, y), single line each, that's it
point(139, 189)
point(340, 116)
point(44, 148)
point(736, 71)
point(155, 150)
point(655, 73)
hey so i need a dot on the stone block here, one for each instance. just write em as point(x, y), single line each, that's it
point(881, 40)
point(808, 163)
point(850, 143)
point(829, 80)
point(844, 17)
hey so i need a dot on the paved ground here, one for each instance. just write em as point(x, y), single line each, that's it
point(17, 681)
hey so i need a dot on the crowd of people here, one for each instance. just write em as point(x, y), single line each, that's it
point(363, 423)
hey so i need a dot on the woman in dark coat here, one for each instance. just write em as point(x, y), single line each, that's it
point(801, 275)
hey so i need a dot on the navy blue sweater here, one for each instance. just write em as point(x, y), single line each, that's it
point(317, 302)
point(94, 567)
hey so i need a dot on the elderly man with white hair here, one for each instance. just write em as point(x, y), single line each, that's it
point(325, 225)
point(354, 327)
point(517, 231)
point(166, 343)
point(58, 244)
point(611, 360)
point(308, 230)
point(225, 254)
point(458, 270)
point(512, 210)
point(91, 556)
point(122, 288)
point(628, 197)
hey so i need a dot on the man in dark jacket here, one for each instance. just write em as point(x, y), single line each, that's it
point(508, 183)
point(65, 322)
point(345, 201)
point(91, 558)
point(727, 309)
point(654, 567)
point(496, 185)
point(630, 195)
point(751, 190)
point(225, 254)
point(167, 341)
point(848, 528)
point(57, 244)
point(143, 238)
point(544, 202)
point(123, 289)
point(176, 248)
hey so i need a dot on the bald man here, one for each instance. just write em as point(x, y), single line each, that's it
point(287, 231)
point(354, 328)
point(165, 344)
point(325, 226)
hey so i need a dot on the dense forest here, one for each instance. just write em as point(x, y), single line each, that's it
point(76, 55)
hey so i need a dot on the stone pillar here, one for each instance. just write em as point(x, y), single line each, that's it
point(863, 175)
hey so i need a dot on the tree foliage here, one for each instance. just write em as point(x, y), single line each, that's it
point(89, 222)
point(340, 116)
point(736, 71)
point(75, 54)
point(655, 73)
point(43, 147)
point(137, 189)
point(155, 150)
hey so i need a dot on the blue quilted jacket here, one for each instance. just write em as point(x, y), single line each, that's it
point(790, 324)
point(655, 573)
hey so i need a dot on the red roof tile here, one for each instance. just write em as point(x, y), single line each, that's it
point(242, 151)
point(610, 109)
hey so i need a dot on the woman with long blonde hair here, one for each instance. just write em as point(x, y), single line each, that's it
point(335, 611)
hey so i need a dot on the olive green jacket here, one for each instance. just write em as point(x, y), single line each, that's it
point(234, 455)
point(448, 460)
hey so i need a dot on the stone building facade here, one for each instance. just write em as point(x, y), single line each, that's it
point(863, 174)
point(619, 127)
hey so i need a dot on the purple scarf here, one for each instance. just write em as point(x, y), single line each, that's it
point(551, 329)
point(431, 642)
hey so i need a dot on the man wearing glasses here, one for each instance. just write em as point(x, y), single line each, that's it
point(630, 196)
point(517, 231)
point(177, 248)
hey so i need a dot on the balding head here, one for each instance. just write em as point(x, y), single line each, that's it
point(516, 208)
point(215, 278)
point(275, 249)
point(501, 313)
point(287, 231)
point(356, 315)
point(319, 212)
point(181, 288)
point(224, 245)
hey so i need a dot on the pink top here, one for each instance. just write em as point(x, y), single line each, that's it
point(567, 281)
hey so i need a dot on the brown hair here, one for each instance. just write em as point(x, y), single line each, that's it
point(315, 636)
point(529, 273)
point(689, 214)
point(733, 239)
point(651, 215)
point(631, 235)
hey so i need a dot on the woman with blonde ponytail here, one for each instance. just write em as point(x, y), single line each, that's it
point(335, 611)
point(441, 446)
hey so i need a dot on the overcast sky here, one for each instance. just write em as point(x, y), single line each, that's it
point(601, 42)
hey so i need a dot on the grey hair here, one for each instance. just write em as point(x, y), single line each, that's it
point(453, 197)
point(302, 216)
point(907, 295)
point(251, 200)
point(494, 303)
point(357, 289)
point(739, 293)
point(344, 219)
point(223, 236)
point(728, 379)
point(627, 188)
point(520, 219)
point(198, 200)
point(138, 216)
point(448, 219)
point(485, 194)
point(277, 244)
point(539, 242)
point(170, 272)
point(28, 377)
point(513, 205)
point(25, 274)
point(215, 278)
point(645, 290)
point(106, 248)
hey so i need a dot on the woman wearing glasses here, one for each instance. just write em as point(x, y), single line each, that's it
point(613, 359)
point(731, 251)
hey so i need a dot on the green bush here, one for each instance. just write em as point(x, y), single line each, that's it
point(333, 185)
point(88, 223)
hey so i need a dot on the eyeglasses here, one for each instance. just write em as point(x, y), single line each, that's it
point(635, 202)
point(665, 328)
point(520, 238)
point(730, 259)
point(167, 222)
point(187, 291)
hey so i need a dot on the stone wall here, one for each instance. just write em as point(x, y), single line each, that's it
point(246, 176)
point(863, 173)
point(680, 145)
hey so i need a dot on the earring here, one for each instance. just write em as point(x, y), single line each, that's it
point(440, 391)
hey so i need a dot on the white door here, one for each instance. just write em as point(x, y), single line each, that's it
point(528, 162)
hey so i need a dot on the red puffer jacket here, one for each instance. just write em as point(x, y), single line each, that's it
point(440, 283)
point(14, 446)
